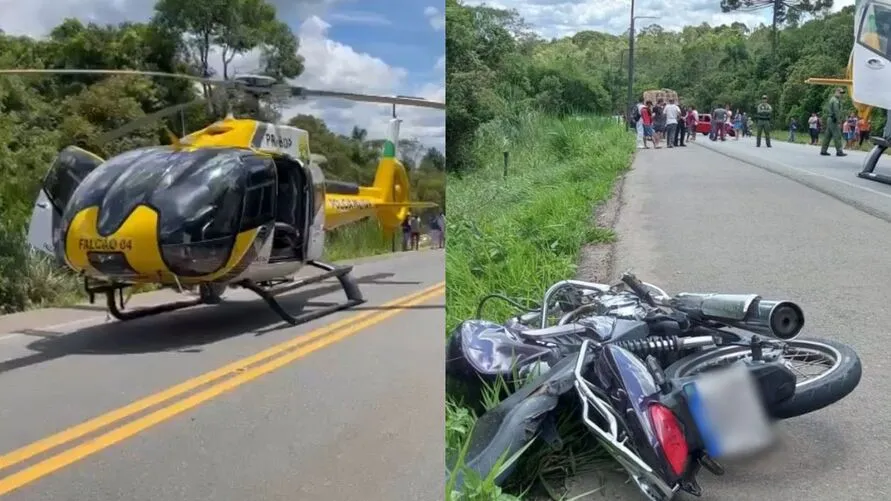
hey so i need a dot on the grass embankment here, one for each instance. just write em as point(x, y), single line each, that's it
point(803, 137)
point(520, 234)
point(29, 280)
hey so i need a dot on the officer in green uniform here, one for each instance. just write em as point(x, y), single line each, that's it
point(833, 126)
point(763, 114)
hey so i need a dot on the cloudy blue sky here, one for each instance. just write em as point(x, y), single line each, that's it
point(558, 18)
point(386, 47)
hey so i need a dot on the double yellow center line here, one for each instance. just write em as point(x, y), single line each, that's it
point(224, 379)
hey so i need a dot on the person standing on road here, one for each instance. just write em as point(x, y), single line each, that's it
point(415, 227)
point(646, 118)
point(692, 122)
point(638, 123)
point(406, 232)
point(865, 129)
point(681, 135)
point(719, 116)
point(763, 114)
point(738, 125)
point(435, 231)
point(833, 127)
point(659, 120)
point(793, 128)
point(672, 113)
point(813, 124)
point(440, 221)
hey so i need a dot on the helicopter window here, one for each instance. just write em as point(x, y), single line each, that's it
point(94, 188)
point(258, 207)
point(66, 173)
point(259, 199)
point(875, 29)
point(200, 195)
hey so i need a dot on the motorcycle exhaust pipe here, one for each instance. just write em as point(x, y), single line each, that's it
point(780, 319)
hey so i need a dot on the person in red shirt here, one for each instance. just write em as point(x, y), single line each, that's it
point(646, 118)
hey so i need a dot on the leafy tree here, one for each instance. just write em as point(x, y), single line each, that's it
point(784, 11)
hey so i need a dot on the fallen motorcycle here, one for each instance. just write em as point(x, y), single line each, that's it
point(669, 385)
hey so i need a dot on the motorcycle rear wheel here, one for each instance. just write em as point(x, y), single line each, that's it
point(811, 394)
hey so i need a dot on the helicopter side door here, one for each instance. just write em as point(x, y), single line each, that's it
point(66, 173)
point(872, 54)
point(315, 241)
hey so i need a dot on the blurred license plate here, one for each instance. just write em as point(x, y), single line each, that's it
point(727, 409)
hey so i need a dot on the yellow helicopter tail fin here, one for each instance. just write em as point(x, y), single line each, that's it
point(391, 187)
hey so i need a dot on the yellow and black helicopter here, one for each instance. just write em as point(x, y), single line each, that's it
point(239, 203)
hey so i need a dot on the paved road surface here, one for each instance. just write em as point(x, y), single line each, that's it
point(835, 176)
point(347, 414)
point(697, 220)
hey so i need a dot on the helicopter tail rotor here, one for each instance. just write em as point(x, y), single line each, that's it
point(392, 187)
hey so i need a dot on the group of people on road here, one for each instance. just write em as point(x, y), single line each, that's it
point(411, 231)
point(673, 123)
point(669, 122)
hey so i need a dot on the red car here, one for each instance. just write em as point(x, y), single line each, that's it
point(705, 125)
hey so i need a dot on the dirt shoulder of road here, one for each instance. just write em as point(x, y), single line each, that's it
point(596, 261)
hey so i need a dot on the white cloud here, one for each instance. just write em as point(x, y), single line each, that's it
point(435, 18)
point(365, 18)
point(559, 18)
point(336, 66)
point(440, 63)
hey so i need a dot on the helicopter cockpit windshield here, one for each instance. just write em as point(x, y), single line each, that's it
point(871, 58)
point(875, 28)
point(197, 193)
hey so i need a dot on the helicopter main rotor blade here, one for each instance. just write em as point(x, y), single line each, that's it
point(258, 85)
point(367, 98)
point(145, 120)
point(116, 72)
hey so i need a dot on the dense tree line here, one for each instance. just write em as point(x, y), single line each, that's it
point(497, 66)
point(39, 115)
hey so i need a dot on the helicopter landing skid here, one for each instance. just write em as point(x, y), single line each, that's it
point(342, 273)
point(869, 165)
point(115, 303)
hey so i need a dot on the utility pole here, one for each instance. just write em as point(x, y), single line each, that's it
point(630, 103)
point(631, 62)
point(775, 29)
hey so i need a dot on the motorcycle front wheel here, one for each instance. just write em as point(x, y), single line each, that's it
point(839, 377)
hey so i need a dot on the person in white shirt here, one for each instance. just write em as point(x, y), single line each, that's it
point(672, 113)
point(813, 125)
point(639, 126)
point(692, 123)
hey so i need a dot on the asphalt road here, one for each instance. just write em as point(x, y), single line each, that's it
point(834, 176)
point(697, 220)
point(342, 409)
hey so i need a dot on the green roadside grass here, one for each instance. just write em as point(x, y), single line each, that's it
point(365, 238)
point(517, 235)
point(805, 138)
